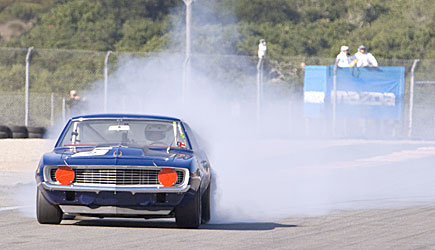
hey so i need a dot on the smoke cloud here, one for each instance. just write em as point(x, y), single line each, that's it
point(261, 170)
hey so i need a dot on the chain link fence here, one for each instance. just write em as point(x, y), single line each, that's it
point(423, 115)
point(53, 73)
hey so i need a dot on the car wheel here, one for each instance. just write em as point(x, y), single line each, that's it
point(205, 209)
point(47, 213)
point(189, 215)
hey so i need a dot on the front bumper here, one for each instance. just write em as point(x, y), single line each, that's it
point(112, 211)
point(100, 188)
point(118, 201)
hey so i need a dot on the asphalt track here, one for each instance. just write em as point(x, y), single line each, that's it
point(410, 228)
point(380, 222)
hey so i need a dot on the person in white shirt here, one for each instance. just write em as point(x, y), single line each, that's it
point(343, 59)
point(365, 59)
point(262, 48)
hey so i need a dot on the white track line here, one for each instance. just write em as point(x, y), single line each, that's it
point(9, 208)
point(375, 161)
point(394, 157)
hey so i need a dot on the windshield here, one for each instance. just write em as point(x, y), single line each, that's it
point(124, 132)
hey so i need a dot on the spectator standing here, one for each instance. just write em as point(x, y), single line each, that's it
point(73, 100)
point(365, 59)
point(262, 48)
point(343, 59)
point(74, 103)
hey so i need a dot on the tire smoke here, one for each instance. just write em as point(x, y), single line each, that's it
point(262, 168)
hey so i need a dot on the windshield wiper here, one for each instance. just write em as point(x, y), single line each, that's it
point(107, 145)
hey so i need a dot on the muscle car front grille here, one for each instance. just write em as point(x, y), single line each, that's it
point(112, 176)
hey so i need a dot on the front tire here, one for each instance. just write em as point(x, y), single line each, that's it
point(47, 213)
point(205, 209)
point(189, 215)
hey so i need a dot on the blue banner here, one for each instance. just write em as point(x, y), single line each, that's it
point(374, 93)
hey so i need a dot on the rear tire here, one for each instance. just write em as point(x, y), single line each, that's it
point(47, 213)
point(205, 209)
point(189, 215)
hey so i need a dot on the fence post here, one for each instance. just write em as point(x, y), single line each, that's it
point(186, 64)
point(290, 118)
point(411, 97)
point(52, 109)
point(259, 89)
point(434, 124)
point(63, 110)
point(106, 76)
point(26, 98)
point(334, 99)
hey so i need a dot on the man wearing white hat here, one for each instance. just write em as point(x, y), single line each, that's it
point(343, 59)
point(365, 59)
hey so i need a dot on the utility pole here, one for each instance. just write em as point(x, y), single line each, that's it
point(26, 114)
point(106, 76)
point(411, 97)
point(186, 65)
point(262, 48)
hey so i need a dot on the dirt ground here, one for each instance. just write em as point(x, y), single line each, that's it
point(22, 155)
point(13, 28)
point(19, 159)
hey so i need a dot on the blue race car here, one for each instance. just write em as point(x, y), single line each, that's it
point(121, 165)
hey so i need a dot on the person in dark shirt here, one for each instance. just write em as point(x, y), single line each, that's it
point(75, 104)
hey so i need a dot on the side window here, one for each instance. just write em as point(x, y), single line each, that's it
point(67, 139)
point(191, 136)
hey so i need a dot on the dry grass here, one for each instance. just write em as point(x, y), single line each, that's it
point(13, 28)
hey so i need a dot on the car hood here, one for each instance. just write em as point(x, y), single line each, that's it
point(119, 156)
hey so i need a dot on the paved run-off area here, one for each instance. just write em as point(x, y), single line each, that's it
point(328, 195)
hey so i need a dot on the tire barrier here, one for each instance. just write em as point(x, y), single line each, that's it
point(5, 132)
point(21, 132)
point(36, 132)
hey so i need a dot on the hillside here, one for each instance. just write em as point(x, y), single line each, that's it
point(390, 29)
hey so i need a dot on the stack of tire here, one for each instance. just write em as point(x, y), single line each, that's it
point(21, 132)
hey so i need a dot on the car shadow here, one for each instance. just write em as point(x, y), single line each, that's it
point(135, 223)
